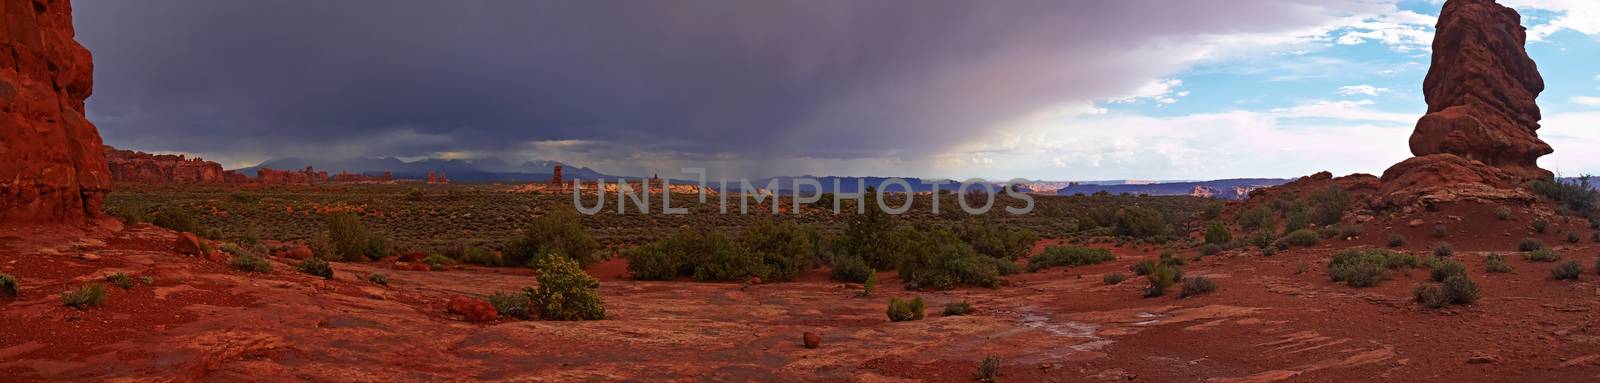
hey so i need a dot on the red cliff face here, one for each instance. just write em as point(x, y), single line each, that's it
point(132, 166)
point(52, 168)
point(1480, 91)
point(1478, 139)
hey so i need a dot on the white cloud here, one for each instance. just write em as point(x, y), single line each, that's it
point(1571, 134)
point(1582, 16)
point(1361, 90)
point(1344, 110)
point(1161, 91)
point(1586, 100)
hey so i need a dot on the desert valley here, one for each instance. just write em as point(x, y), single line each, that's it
point(1465, 262)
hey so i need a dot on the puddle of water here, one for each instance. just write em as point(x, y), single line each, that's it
point(1084, 333)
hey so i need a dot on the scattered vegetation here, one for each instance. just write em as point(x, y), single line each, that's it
point(869, 285)
point(120, 280)
point(175, 220)
point(1302, 238)
point(1210, 249)
point(1218, 234)
point(513, 305)
point(8, 285)
point(933, 258)
point(1502, 213)
point(378, 279)
point(247, 262)
point(1496, 263)
point(957, 308)
point(85, 296)
point(1440, 231)
point(1457, 289)
point(1569, 270)
point(905, 310)
point(565, 292)
point(1396, 240)
point(1541, 225)
point(350, 240)
point(1529, 244)
point(438, 261)
point(1366, 267)
point(559, 231)
point(989, 368)
point(1113, 278)
point(1443, 268)
point(479, 256)
point(1161, 276)
point(1068, 256)
point(1257, 218)
point(1443, 249)
point(1543, 255)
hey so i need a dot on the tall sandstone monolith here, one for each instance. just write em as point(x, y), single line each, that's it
point(52, 166)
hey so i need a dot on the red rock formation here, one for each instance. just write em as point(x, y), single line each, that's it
point(473, 309)
point(52, 167)
point(187, 244)
point(555, 179)
point(1480, 91)
point(268, 176)
point(134, 166)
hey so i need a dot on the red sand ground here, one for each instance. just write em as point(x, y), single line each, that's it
point(1275, 318)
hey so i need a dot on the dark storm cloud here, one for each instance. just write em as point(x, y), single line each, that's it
point(831, 79)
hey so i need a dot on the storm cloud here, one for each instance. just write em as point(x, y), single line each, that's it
point(683, 80)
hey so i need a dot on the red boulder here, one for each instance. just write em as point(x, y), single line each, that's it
point(473, 309)
point(187, 244)
point(812, 340)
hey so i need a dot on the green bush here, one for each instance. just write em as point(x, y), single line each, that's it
point(1260, 217)
point(1366, 267)
point(378, 279)
point(479, 256)
point(131, 214)
point(1113, 278)
point(1142, 268)
point(989, 368)
point(513, 305)
point(1439, 231)
point(84, 297)
point(1577, 196)
point(1460, 289)
point(934, 258)
point(317, 267)
point(1141, 222)
point(1430, 296)
point(1396, 240)
point(867, 236)
point(350, 240)
point(8, 285)
point(871, 284)
point(997, 241)
point(851, 268)
point(121, 280)
point(1210, 249)
point(175, 220)
point(1502, 213)
point(786, 249)
point(1196, 286)
point(438, 261)
point(1212, 211)
point(1443, 249)
point(1543, 255)
point(706, 256)
point(905, 310)
point(1302, 238)
point(957, 308)
point(1569, 270)
point(1218, 234)
point(559, 231)
point(1329, 205)
point(250, 263)
point(1529, 244)
point(1296, 221)
point(1068, 256)
point(1161, 277)
point(1496, 263)
point(1443, 268)
point(1541, 225)
point(565, 292)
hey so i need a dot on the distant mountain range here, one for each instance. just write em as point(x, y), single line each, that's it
point(1225, 189)
point(477, 170)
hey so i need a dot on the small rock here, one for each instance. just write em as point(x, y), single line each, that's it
point(755, 280)
point(187, 244)
point(812, 340)
point(1415, 223)
point(473, 309)
point(1479, 357)
point(88, 257)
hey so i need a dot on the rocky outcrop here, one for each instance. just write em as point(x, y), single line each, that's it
point(52, 166)
point(269, 176)
point(141, 167)
point(1480, 91)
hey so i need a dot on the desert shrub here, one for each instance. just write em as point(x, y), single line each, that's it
point(1113, 278)
point(1329, 205)
point(851, 268)
point(438, 261)
point(1196, 286)
point(728, 261)
point(1142, 268)
point(84, 297)
point(1430, 296)
point(250, 263)
point(1529, 244)
point(1440, 231)
point(867, 236)
point(131, 214)
point(175, 220)
point(8, 285)
point(957, 308)
point(1502, 213)
point(1004, 242)
point(479, 256)
point(120, 280)
point(1443, 268)
point(1171, 259)
point(1541, 225)
point(1572, 237)
point(378, 279)
point(1496, 263)
point(565, 292)
point(317, 267)
point(651, 262)
point(1002, 266)
point(1302, 237)
point(1161, 277)
point(1542, 255)
point(1296, 221)
point(1068, 256)
point(706, 256)
point(1569, 270)
point(1396, 240)
point(350, 240)
point(1443, 249)
point(1141, 222)
point(905, 310)
point(1460, 289)
point(934, 258)
point(559, 231)
point(513, 305)
point(147, 280)
point(1259, 218)
point(1210, 249)
point(1218, 234)
point(989, 368)
point(786, 249)
point(1212, 211)
point(1349, 231)
point(1269, 251)
point(870, 284)
point(1366, 267)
